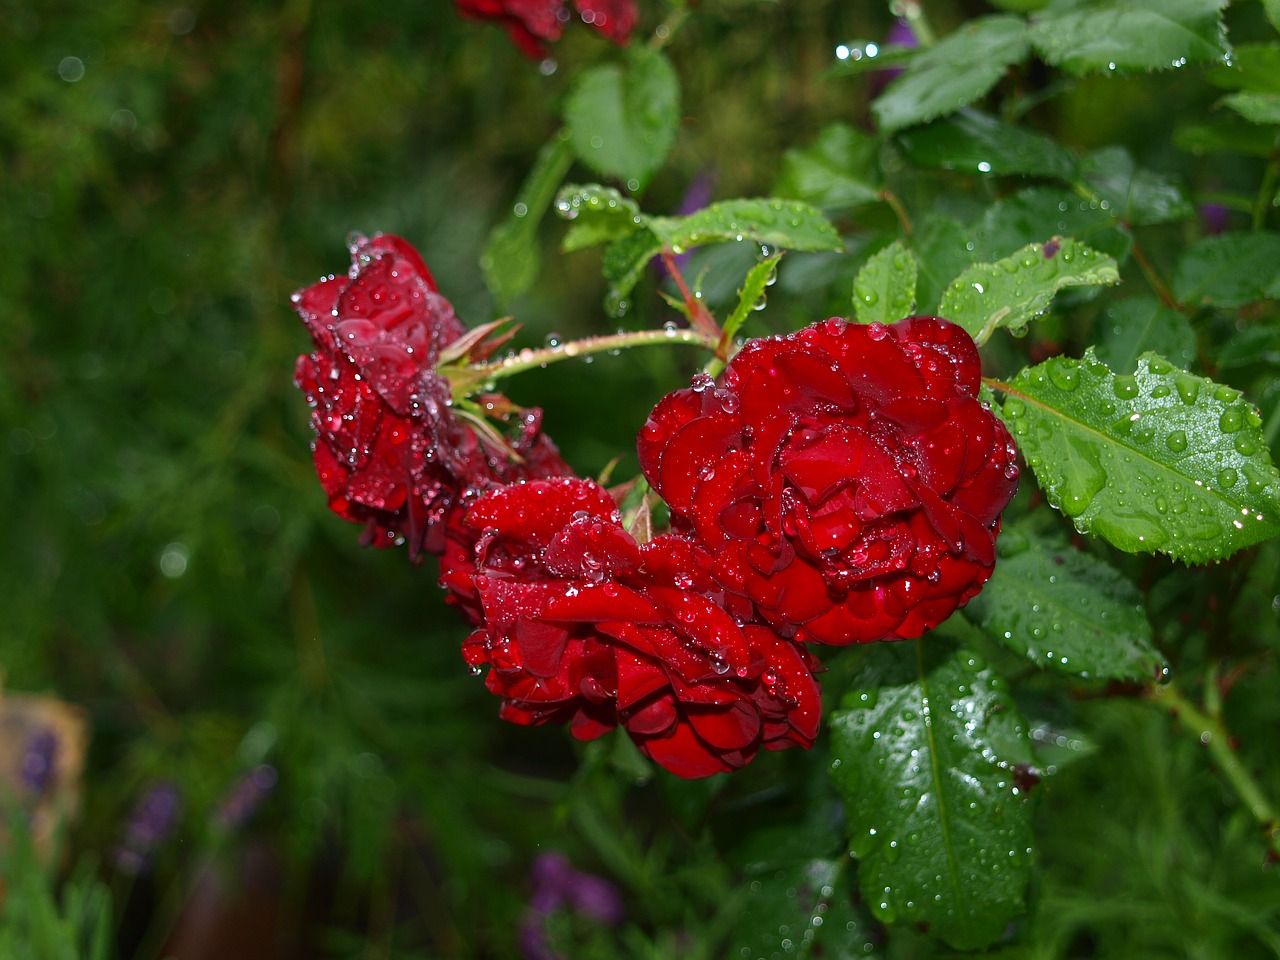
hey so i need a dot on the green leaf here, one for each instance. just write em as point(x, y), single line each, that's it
point(1138, 197)
point(598, 214)
point(1158, 461)
point(785, 224)
point(885, 288)
point(1030, 214)
point(864, 56)
point(511, 256)
point(1141, 325)
point(1226, 135)
point(1254, 66)
point(1260, 108)
point(953, 73)
point(622, 119)
point(942, 247)
point(980, 143)
point(835, 172)
point(1068, 611)
point(752, 295)
point(802, 908)
point(1250, 347)
point(1090, 36)
point(1229, 270)
point(1272, 8)
point(1013, 291)
point(925, 749)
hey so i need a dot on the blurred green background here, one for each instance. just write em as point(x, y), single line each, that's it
point(168, 175)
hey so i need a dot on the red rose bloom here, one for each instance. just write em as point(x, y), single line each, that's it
point(532, 23)
point(846, 477)
point(389, 451)
point(582, 624)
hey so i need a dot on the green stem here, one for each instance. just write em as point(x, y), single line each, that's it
point(1266, 194)
point(912, 12)
point(668, 27)
point(891, 198)
point(467, 380)
point(1153, 278)
point(1207, 726)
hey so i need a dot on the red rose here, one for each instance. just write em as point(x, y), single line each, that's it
point(533, 22)
point(389, 451)
point(582, 624)
point(846, 477)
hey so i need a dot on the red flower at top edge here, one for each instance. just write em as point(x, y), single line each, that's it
point(533, 23)
point(846, 478)
point(582, 624)
point(389, 451)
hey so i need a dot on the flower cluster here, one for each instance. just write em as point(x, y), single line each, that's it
point(534, 23)
point(839, 485)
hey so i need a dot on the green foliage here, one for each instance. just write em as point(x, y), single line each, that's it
point(835, 172)
point(622, 119)
point(925, 753)
point(1066, 610)
point(957, 71)
point(1018, 288)
point(976, 142)
point(885, 288)
point(1159, 460)
point(1230, 270)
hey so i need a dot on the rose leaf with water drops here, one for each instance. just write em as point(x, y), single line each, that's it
point(622, 119)
point(1137, 325)
point(1015, 290)
point(1066, 610)
point(885, 289)
point(597, 214)
point(930, 754)
point(1090, 37)
point(1158, 461)
point(1229, 270)
point(835, 172)
point(780, 224)
point(973, 141)
point(752, 295)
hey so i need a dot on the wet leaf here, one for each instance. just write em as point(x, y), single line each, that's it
point(1254, 66)
point(1013, 291)
point(867, 56)
point(622, 119)
point(803, 909)
point(1159, 461)
point(1138, 325)
point(885, 288)
point(953, 73)
point(925, 748)
point(779, 224)
point(598, 214)
point(752, 295)
point(511, 255)
point(835, 172)
point(1067, 611)
point(1092, 36)
point(1229, 270)
point(1036, 212)
point(1136, 196)
point(943, 247)
point(977, 142)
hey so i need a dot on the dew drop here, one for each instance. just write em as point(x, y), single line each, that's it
point(1176, 441)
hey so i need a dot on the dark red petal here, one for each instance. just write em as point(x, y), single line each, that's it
point(691, 454)
point(387, 243)
point(735, 728)
point(672, 412)
point(536, 511)
point(315, 304)
point(681, 752)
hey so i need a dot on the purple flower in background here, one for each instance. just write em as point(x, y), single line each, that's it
point(900, 35)
point(1215, 217)
point(39, 760)
point(244, 799)
point(153, 819)
point(558, 886)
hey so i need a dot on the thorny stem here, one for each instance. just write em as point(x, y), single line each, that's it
point(467, 380)
point(1206, 724)
point(699, 316)
point(1153, 278)
point(891, 198)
